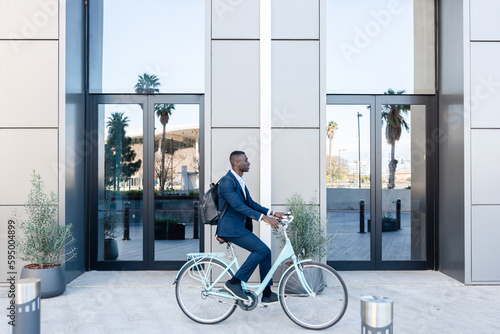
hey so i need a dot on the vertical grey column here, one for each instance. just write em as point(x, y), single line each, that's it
point(298, 102)
point(29, 46)
point(482, 133)
point(451, 176)
point(27, 306)
point(74, 110)
point(232, 110)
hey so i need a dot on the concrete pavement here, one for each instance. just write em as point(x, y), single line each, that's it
point(144, 302)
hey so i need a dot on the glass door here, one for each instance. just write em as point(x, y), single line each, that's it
point(380, 181)
point(116, 196)
point(176, 177)
point(144, 180)
point(405, 182)
point(348, 136)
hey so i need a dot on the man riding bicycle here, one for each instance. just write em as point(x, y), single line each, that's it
point(236, 227)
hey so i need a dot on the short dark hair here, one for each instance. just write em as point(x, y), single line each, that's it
point(234, 154)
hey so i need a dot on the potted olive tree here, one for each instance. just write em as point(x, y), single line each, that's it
point(175, 230)
point(307, 232)
point(161, 224)
point(110, 221)
point(45, 244)
point(389, 224)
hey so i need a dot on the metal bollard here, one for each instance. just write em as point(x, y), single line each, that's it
point(398, 213)
point(126, 222)
point(361, 216)
point(27, 306)
point(196, 206)
point(376, 315)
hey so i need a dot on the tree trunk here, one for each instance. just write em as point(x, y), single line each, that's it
point(118, 158)
point(392, 168)
point(330, 160)
point(162, 171)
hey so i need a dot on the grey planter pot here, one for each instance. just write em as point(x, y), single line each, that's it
point(176, 232)
point(53, 283)
point(389, 224)
point(314, 276)
point(110, 249)
point(161, 232)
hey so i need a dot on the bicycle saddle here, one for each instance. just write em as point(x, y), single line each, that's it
point(221, 240)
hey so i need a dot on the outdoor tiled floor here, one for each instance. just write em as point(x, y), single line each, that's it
point(144, 302)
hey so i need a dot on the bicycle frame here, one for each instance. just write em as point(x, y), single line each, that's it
point(286, 252)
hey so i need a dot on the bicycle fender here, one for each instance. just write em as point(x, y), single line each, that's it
point(224, 261)
point(180, 270)
point(290, 268)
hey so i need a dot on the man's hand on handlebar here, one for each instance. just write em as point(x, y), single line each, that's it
point(271, 221)
point(280, 215)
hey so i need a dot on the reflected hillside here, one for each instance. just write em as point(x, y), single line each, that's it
point(181, 160)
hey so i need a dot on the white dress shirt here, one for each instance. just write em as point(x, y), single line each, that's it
point(241, 180)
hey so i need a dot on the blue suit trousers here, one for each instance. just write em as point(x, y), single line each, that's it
point(260, 255)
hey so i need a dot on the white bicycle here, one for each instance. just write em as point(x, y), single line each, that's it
point(312, 294)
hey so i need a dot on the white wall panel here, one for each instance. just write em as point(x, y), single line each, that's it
point(29, 84)
point(484, 19)
point(235, 84)
point(22, 152)
point(485, 84)
point(225, 141)
point(29, 19)
point(295, 165)
point(295, 83)
point(277, 243)
point(485, 166)
point(295, 19)
point(6, 214)
point(485, 245)
point(235, 19)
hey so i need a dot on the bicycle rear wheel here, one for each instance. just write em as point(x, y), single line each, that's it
point(191, 292)
point(320, 311)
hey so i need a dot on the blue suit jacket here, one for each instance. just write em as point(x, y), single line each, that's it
point(240, 211)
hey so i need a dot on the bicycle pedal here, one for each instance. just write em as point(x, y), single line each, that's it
point(263, 306)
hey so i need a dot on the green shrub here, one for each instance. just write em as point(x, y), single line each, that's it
point(166, 220)
point(45, 243)
point(132, 192)
point(110, 220)
point(307, 232)
point(386, 215)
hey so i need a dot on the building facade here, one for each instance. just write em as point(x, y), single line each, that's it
point(128, 127)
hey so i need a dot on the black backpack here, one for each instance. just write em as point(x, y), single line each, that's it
point(209, 212)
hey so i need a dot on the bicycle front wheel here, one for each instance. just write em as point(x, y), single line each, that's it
point(193, 296)
point(328, 303)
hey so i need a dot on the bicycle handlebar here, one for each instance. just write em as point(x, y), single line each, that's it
point(286, 221)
